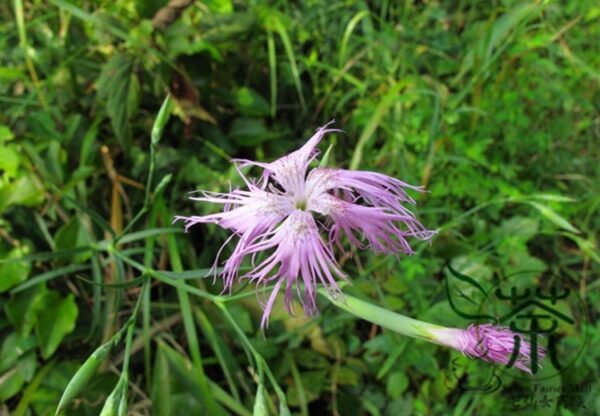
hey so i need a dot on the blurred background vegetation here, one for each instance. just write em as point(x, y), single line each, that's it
point(493, 106)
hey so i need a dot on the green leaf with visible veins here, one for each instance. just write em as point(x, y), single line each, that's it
point(115, 86)
point(56, 318)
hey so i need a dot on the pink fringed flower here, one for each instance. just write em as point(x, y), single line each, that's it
point(493, 344)
point(278, 227)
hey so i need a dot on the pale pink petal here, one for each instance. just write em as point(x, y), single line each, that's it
point(244, 210)
point(373, 188)
point(290, 170)
point(250, 214)
point(299, 258)
point(384, 230)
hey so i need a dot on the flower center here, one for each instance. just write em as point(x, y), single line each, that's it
point(300, 203)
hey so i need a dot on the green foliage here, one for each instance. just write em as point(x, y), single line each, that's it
point(106, 307)
point(116, 86)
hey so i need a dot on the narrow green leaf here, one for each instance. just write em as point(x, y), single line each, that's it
point(162, 185)
point(189, 325)
point(260, 406)
point(224, 356)
point(289, 50)
point(298, 383)
point(588, 247)
point(126, 285)
point(140, 235)
point(161, 119)
point(272, 71)
point(552, 198)
point(48, 255)
point(183, 371)
point(53, 274)
point(161, 387)
point(111, 405)
point(82, 376)
point(554, 217)
point(347, 33)
point(325, 160)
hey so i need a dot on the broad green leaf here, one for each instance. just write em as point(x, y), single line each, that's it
point(397, 383)
point(396, 285)
point(27, 365)
point(310, 359)
point(5, 134)
point(219, 6)
point(13, 347)
point(348, 376)
point(22, 309)
point(10, 384)
point(26, 190)
point(10, 74)
point(42, 125)
point(9, 160)
point(249, 132)
point(13, 273)
point(72, 235)
point(522, 227)
point(12, 380)
point(56, 319)
point(250, 103)
point(114, 87)
point(314, 383)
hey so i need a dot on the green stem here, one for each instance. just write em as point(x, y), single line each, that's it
point(145, 295)
point(157, 130)
point(127, 354)
point(259, 362)
point(23, 43)
point(387, 319)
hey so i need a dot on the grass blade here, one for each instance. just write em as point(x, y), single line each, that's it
point(289, 50)
point(53, 274)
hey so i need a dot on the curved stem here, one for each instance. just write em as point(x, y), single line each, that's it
point(383, 317)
